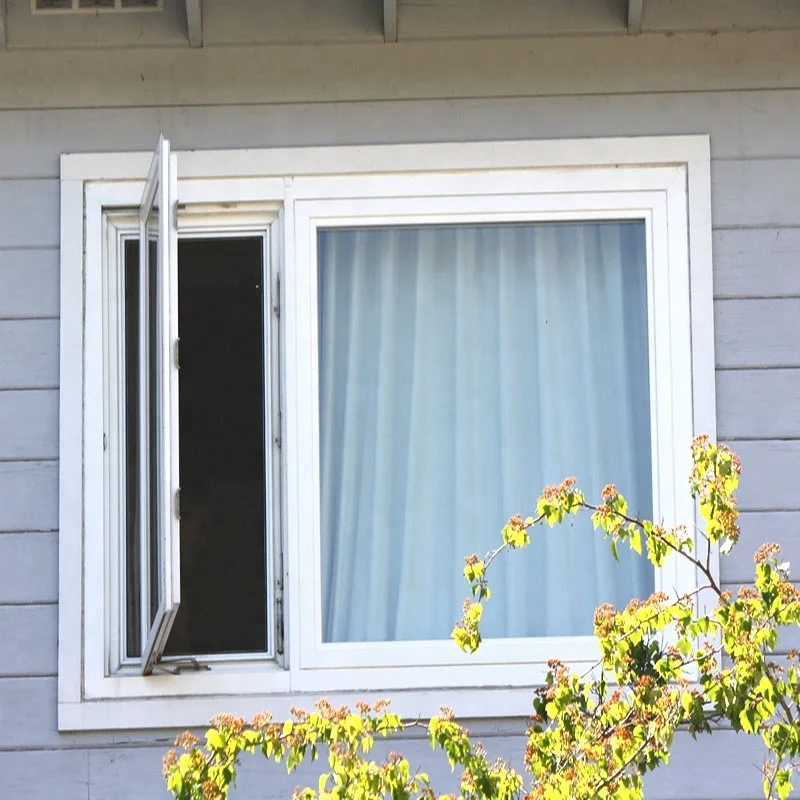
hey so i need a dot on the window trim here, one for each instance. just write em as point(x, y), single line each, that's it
point(88, 699)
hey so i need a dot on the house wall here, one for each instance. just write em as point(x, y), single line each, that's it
point(742, 88)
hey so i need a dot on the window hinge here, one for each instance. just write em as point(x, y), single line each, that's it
point(277, 440)
point(178, 504)
point(177, 354)
point(105, 442)
point(176, 667)
point(276, 307)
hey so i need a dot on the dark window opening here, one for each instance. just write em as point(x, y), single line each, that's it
point(223, 506)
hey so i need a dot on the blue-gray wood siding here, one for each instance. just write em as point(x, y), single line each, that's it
point(755, 140)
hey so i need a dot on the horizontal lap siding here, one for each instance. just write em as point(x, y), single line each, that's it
point(742, 125)
point(28, 567)
point(30, 424)
point(28, 353)
point(29, 496)
point(29, 634)
point(28, 281)
point(755, 175)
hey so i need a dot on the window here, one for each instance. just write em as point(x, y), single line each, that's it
point(93, 6)
point(311, 381)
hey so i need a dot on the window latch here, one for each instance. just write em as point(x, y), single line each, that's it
point(276, 306)
point(184, 665)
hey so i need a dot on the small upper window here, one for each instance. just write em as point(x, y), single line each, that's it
point(94, 6)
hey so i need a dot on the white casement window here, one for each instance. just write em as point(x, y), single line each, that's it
point(299, 386)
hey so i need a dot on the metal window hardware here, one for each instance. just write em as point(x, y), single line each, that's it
point(177, 667)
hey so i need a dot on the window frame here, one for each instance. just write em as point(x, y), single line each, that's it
point(669, 174)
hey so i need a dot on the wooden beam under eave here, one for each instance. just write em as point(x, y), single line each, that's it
point(389, 20)
point(194, 22)
point(635, 8)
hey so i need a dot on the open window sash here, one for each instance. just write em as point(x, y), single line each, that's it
point(158, 401)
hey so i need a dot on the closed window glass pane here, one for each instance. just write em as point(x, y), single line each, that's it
point(462, 368)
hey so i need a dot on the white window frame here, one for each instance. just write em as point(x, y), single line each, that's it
point(663, 180)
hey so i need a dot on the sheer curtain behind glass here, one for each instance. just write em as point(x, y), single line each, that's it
point(462, 368)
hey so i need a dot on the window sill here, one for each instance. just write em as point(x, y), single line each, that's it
point(195, 712)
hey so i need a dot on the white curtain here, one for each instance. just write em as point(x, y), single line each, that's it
point(463, 368)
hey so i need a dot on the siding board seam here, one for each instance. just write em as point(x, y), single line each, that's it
point(6, 318)
point(756, 368)
point(402, 99)
point(6, 460)
point(790, 296)
point(17, 531)
point(734, 439)
point(27, 603)
point(22, 388)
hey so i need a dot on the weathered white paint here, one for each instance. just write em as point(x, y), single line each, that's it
point(28, 353)
point(29, 567)
point(417, 70)
point(30, 424)
point(28, 634)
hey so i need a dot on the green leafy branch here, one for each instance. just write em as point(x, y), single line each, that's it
point(663, 666)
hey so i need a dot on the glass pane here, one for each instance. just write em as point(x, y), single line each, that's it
point(133, 618)
point(463, 368)
point(222, 448)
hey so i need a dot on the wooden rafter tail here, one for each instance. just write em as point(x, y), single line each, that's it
point(390, 20)
point(194, 22)
point(635, 8)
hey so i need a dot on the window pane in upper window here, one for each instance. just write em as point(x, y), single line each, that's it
point(462, 368)
point(222, 448)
